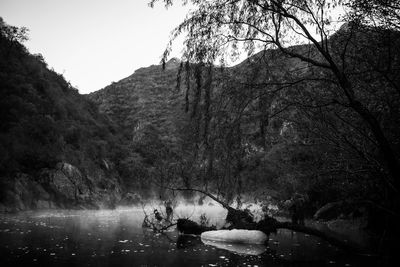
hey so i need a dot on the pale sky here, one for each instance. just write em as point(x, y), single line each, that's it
point(95, 42)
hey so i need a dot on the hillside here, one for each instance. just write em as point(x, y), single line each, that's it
point(56, 148)
point(147, 97)
point(270, 122)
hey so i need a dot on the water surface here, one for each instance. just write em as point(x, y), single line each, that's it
point(116, 238)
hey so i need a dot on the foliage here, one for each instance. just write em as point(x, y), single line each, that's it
point(13, 33)
point(320, 93)
point(43, 119)
point(385, 14)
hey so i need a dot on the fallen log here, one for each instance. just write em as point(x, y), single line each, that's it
point(241, 219)
point(189, 227)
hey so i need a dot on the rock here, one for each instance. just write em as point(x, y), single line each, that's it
point(62, 187)
point(69, 170)
point(237, 236)
point(21, 192)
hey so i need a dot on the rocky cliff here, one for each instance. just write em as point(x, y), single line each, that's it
point(62, 187)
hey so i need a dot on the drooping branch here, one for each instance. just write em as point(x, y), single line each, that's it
point(223, 203)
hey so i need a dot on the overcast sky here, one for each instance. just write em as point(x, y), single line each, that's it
point(95, 42)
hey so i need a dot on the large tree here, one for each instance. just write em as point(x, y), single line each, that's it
point(220, 30)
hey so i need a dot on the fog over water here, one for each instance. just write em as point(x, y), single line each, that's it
point(116, 238)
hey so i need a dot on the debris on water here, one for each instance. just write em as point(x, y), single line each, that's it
point(222, 257)
point(123, 241)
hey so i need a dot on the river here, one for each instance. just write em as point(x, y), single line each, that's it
point(116, 238)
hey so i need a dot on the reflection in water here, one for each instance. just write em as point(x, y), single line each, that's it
point(187, 241)
point(242, 249)
point(116, 238)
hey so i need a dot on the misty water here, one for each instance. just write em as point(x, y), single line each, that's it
point(116, 238)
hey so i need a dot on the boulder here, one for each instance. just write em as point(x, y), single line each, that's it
point(237, 236)
point(62, 185)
